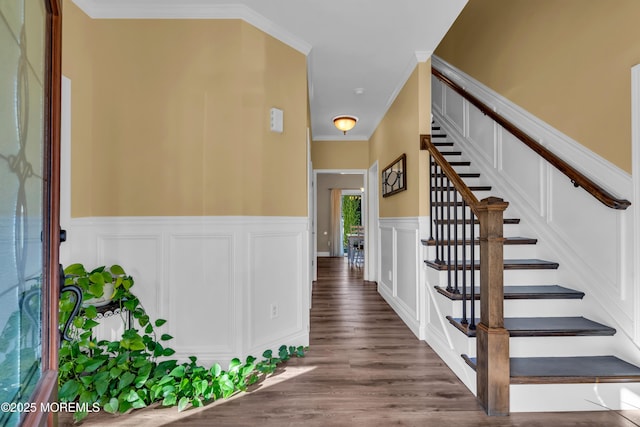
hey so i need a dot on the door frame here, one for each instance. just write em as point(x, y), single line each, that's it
point(47, 388)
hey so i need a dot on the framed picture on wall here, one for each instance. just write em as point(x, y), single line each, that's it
point(394, 177)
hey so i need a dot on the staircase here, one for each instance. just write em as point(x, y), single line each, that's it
point(559, 359)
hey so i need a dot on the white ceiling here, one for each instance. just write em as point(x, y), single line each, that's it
point(350, 44)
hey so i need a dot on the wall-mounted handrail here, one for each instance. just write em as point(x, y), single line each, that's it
point(577, 178)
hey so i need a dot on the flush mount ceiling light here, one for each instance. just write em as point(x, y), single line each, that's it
point(345, 123)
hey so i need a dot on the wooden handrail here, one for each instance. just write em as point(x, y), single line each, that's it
point(576, 177)
point(458, 183)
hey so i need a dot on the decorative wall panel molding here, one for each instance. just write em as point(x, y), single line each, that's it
point(401, 270)
point(215, 279)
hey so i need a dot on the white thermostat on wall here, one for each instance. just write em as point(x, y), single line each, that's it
point(277, 119)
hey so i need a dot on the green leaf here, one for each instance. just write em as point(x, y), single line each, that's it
point(268, 354)
point(87, 380)
point(131, 396)
point(93, 365)
point(200, 386)
point(96, 289)
point(165, 380)
point(160, 322)
point(216, 370)
point(168, 352)
point(183, 403)
point(126, 379)
point(143, 320)
point(177, 372)
point(69, 391)
point(115, 372)
point(90, 324)
point(169, 400)
point(148, 329)
point(75, 270)
point(131, 304)
point(166, 337)
point(91, 312)
point(138, 404)
point(117, 270)
point(234, 365)
point(111, 406)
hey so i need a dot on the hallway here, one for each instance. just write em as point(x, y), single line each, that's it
point(363, 368)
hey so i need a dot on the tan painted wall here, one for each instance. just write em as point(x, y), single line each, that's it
point(340, 154)
point(180, 119)
point(77, 42)
point(399, 132)
point(565, 61)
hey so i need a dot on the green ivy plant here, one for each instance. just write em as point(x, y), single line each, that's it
point(134, 371)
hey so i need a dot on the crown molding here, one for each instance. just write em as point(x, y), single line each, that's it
point(189, 9)
point(423, 55)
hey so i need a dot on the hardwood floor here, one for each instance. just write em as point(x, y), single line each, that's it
point(363, 368)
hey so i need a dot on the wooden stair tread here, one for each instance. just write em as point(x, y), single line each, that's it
point(522, 292)
point(463, 163)
point(507, 241)
point(461, 175)
point(442, 144)
point(568, 370)
point(451, 153)
point(468, 221)
point(544, 327)
point(471, 187)
point(509, 264)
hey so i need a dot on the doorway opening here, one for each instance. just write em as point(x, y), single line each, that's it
point(352, 229)
point(340, 213)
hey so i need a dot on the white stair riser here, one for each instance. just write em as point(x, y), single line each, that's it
point(574, 397)
point(511, 277)
point(510, 252)
point(561, 346)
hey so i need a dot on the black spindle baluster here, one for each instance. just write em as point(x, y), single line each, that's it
point(472, 325)
point(449, 287)
point(431, 201)
point(464, 262)
point(434, 210)
point(441, 214)
point(455, 240)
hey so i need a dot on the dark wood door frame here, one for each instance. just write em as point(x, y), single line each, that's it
point(47, 388)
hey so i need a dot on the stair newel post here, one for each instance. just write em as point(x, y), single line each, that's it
point(492, 344)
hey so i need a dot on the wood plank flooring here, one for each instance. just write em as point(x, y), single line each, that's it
point(363, 368)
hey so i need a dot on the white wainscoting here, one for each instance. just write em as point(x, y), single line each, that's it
point(401, 272)
point(215, 279)
point(592, 243)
